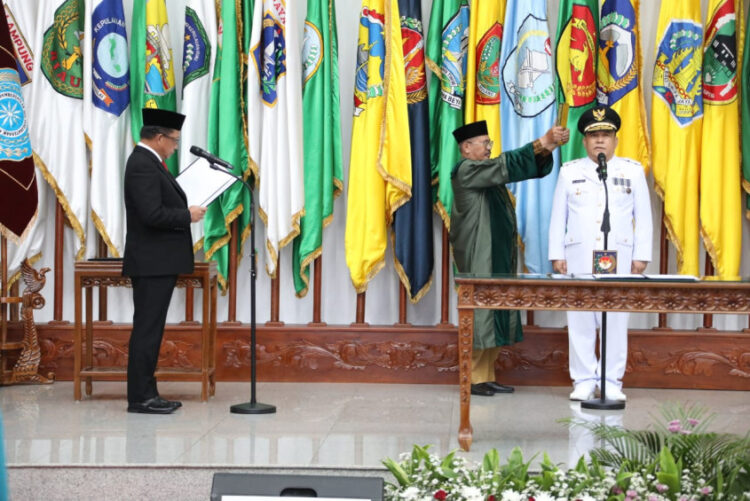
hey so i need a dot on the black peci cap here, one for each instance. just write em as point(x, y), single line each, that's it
point(599, 118)
point(162, 118)
point(470, 130)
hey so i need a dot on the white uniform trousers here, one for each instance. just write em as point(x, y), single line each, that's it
point(584, 365)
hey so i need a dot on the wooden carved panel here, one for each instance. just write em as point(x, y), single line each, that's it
point(596, 296)
point(656, 359)
point(105, 282)
point(348, 355)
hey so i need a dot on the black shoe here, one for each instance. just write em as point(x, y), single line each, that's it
point(500, 388)
point(155, 405)
point(482, 389)
point(174, 403)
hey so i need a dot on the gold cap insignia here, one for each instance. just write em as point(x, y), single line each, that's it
point(599, 115)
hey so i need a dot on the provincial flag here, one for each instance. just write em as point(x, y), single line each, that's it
point(483, 68)
point(720, 191)
point(677, 124)
point(152, 83)
point(21, 18)
point(56, 111)
point(106, 101)
point(274, 101)
point(380, 166)
point(527, 111)
point(322, 136)
point(198, 54)
point(227, 139)
point(412, 222)
point(18, 184)
point(619, 77)
point(575, 56)
point(447, 42)
point(745, 100)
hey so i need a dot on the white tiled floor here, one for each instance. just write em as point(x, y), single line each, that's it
point(316, 424)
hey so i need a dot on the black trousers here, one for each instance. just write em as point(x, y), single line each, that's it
point(151, 296)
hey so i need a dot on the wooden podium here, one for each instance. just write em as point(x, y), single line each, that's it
point(108, 273)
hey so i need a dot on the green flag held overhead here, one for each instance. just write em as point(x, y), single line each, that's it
point(227, 138)
point(151, 66)
point(745, 92)
point(447, 39)
point(322, 134)
point(576, 55)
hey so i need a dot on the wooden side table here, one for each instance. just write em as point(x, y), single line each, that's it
point(108, 273)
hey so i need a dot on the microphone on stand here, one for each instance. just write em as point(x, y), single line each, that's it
point(602, 403)
point(601, 170)
point(213, 159)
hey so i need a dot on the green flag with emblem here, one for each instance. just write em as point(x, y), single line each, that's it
point(227, 138)
point(447, 40)
point(152, 83)
point(745, 101)
point(322, 136)
point(576, 55)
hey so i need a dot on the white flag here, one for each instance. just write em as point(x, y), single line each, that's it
point(198, 58)
point(56, 110)
point(106, 101)
point(274, 100)
point(21, 16)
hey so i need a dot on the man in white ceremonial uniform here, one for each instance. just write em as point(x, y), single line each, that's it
point(575, 233)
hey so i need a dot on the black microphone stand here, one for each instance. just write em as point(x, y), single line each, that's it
point(602, 403)
point(251, 407)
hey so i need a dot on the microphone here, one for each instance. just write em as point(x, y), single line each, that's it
point(199, 152)
point(601, 170)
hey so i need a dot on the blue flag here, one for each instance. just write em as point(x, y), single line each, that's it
point(527, 111)
point(413, 221)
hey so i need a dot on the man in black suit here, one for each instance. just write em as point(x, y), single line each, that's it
point(158, 247)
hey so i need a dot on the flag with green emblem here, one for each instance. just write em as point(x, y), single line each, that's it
point(152, 66)
point(322, 136)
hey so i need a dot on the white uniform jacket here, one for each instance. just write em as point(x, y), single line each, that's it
point(578, 206)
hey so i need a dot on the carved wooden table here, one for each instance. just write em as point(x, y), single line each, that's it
point(535, 292)
point(90, 274)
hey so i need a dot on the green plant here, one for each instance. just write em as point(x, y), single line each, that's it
point(676, 460)
point(679, 440)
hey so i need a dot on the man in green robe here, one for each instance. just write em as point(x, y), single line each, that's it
point(484, 234)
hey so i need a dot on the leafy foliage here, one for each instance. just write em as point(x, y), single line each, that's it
point(676, 459)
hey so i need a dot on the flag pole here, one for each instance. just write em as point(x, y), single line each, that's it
point(3, 292)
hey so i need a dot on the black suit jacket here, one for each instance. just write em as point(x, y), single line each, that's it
point(158, 240)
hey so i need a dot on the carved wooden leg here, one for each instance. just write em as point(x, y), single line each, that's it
point(465, 343)
point(26, 369)
point(213, 288)
point(77, 339)
point(88, 356)
point(205, 333)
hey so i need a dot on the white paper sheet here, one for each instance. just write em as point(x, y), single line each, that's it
point(202, 184)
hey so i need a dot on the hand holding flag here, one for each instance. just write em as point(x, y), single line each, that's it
point(556, 136)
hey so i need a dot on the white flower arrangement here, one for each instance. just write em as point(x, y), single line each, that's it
point(679, 461)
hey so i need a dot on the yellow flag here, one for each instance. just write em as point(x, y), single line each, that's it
point(720, 191)
point(380, 167)
point(676, 121)
point(619, 76)
point(483, 67)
